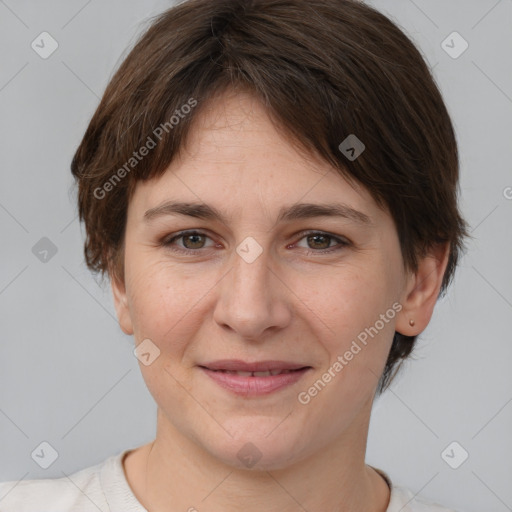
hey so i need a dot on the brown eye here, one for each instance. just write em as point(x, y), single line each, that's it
point(322, 243)
point(193, 241)
point(319, 241)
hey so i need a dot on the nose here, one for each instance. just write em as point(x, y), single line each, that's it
point(253, 300)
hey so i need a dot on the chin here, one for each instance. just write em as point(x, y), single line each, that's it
point(258, 449)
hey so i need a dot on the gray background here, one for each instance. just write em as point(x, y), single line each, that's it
point(67, 372)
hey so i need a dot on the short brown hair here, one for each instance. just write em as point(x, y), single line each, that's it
point(324, 70)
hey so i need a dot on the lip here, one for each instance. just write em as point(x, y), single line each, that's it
point(257, 366)
point(252, 385)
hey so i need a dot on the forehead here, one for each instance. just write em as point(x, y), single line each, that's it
point(236, 158)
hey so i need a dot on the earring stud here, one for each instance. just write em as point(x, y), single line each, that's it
point(411, 322)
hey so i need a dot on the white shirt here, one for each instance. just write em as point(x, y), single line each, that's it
point(104, 488)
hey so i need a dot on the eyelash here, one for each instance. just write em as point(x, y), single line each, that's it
point(167, 242)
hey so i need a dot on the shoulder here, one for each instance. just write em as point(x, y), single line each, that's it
point(78, 492)
point(403, 500)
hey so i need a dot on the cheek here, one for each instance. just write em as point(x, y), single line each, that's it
point(167, 303)
point(355, 306)
point(347, 299)
point(158, 297)
point(164, 306)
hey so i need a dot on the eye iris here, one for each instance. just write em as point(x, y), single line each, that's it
point(196, 241)
point(325, 237)
point(193, 236)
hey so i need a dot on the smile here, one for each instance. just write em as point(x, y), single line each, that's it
point(255, 383)
point(256, 374)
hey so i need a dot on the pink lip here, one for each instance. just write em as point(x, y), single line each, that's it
point(257, 366)
point(254, 386)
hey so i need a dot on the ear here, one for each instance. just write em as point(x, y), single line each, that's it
point(422, 290)
point(121, 304)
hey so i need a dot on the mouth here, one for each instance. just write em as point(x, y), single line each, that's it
point(254, 379)
point(267, 373)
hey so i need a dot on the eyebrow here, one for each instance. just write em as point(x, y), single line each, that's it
point(286, 214)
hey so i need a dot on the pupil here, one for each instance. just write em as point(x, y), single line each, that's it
point(191, 237)
point(316, 239)
point(325, 237)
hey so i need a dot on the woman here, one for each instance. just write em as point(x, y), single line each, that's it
point(271, 187)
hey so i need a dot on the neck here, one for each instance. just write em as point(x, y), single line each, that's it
point(175, 473)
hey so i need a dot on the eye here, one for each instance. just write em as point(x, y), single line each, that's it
point(320, 242)
point(192, 242)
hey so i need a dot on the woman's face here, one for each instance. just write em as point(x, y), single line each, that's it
point(264, 284)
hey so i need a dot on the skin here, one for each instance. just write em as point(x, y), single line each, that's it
point(288, 305)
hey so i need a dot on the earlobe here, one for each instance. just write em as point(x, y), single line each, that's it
point(422, 290)
point(121, 305)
